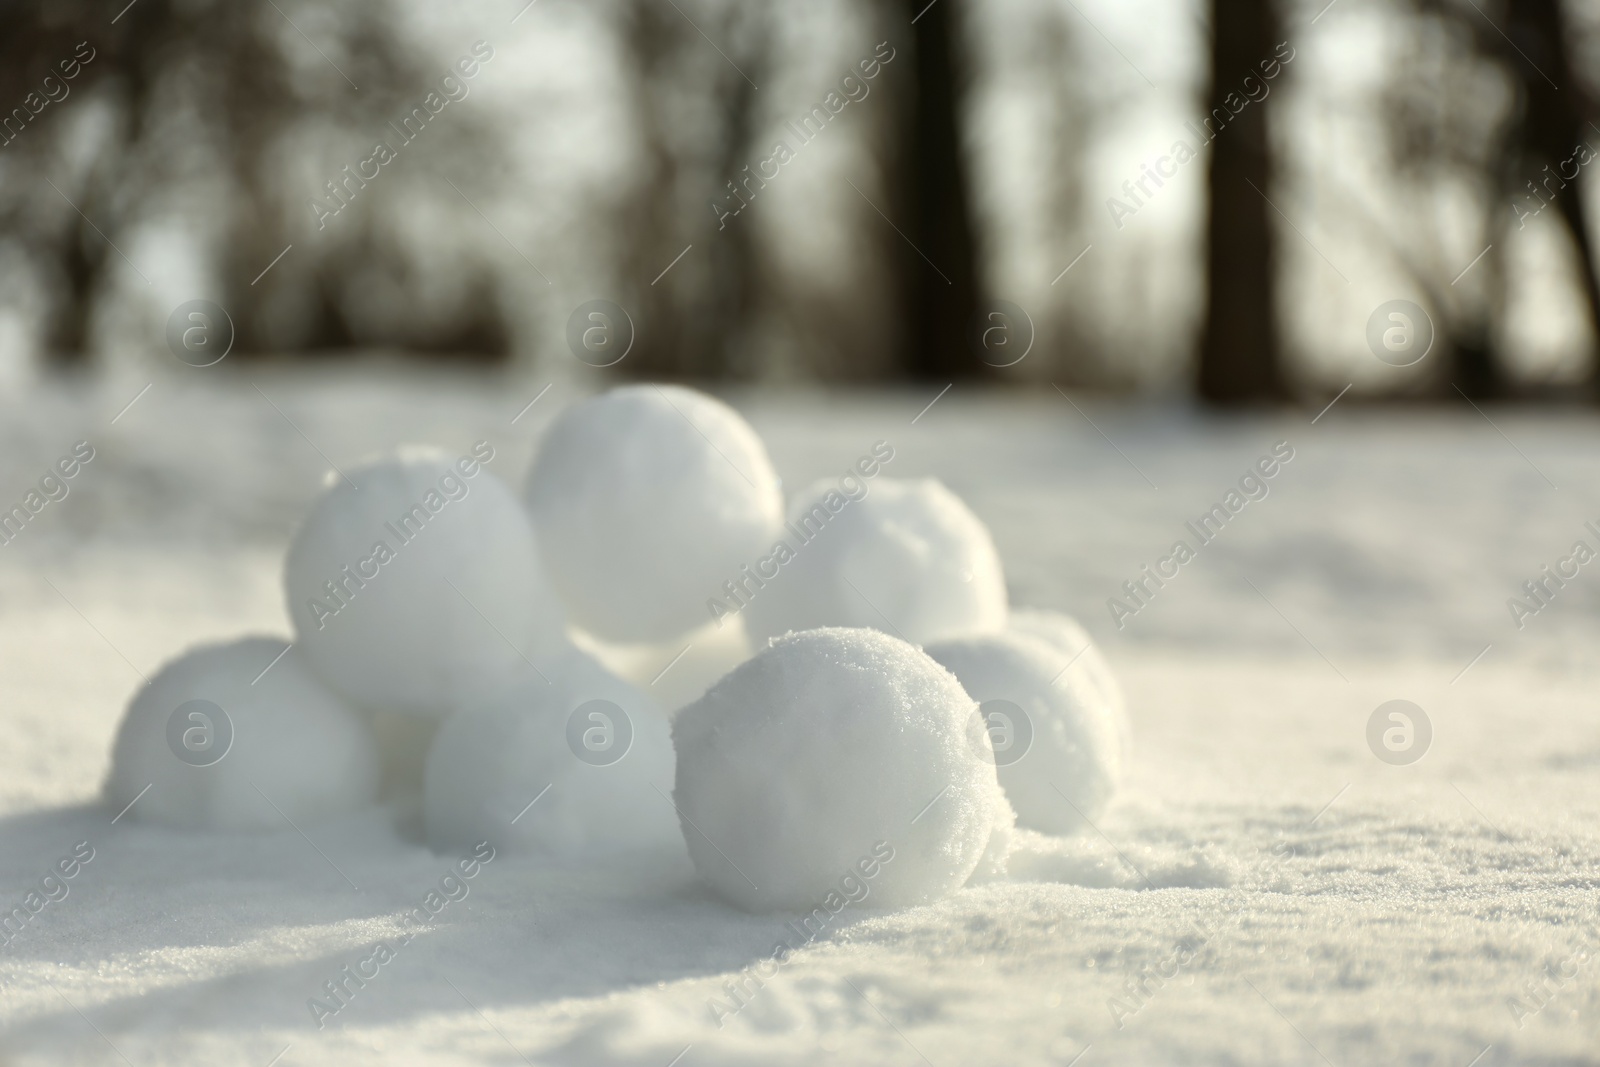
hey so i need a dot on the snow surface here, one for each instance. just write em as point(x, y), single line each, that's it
point(1309, 903)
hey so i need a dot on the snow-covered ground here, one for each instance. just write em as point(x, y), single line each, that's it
point(1264, 891)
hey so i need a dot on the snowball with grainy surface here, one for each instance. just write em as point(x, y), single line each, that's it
point(648, 499)
point(827, 752)
point(1056, 741)
point(416, 586)
point(579, 765)
point(908, 558)
point(219, 748)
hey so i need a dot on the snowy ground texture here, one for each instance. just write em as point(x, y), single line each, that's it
point(1265, 890)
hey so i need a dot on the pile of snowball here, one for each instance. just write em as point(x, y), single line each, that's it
point(862, 698)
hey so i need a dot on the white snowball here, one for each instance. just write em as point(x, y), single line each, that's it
point(1056, 739)
point(441, 595)
point(487, 766)
point(831, 753)
point(1068, 637)
point(647, 499)
point(908, 558)
point(284, 740)
point(995, 864)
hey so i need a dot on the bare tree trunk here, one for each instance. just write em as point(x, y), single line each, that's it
point(937, 264)
point(1079, 361)
point(1239, 353)
point(1533, 157)
point(67, 324)
point(647, 227)
point(738, 272)
point(1553, 123)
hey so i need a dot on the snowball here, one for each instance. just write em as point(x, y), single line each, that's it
point(421, 592)
point(836, 765)
point(588, 751)
point(995, 863)
point(907, 557)
point(1056, 741)
point(647, 500)
point(219, 743)
point(1068, 637)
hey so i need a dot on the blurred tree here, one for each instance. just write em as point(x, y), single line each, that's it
point(1239, 346)
point(1050, 49)
point(696, 125)
point(1520, 157)
point(703, 128)
point(200, 101)
point(652, 222)
point(937, 271)
point(1550, 127)
point(739, 273)
point(50, 216)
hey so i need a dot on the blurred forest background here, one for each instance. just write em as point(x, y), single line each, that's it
point(1344, 154)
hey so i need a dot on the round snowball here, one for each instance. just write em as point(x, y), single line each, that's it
point(1080, 655)
point(217, 751)
point(581, 765)
point(416, 586)
point(835, 759)
point(1056, 741)
point(908, 558)
point(647, 499)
